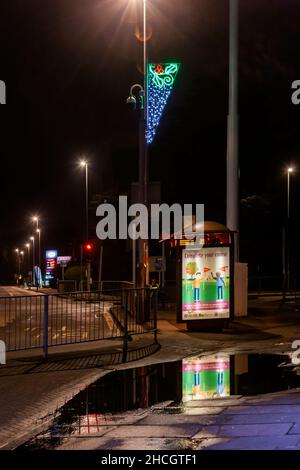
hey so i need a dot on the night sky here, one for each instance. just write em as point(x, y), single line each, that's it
point(68, 66)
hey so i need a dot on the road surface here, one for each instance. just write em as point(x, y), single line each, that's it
point(71, 319)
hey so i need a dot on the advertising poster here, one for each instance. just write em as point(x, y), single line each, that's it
point(206, 283)
point(205, 377)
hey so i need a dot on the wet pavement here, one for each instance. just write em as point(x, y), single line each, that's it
point(29, 401)
point(200, 402)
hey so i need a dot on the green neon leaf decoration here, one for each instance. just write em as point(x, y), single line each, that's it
point(160, 81)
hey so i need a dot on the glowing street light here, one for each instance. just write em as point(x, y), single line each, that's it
point(36, 220)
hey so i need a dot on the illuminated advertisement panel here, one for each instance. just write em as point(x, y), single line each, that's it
point(206, 283)
point(206, 377)
point(51, 263)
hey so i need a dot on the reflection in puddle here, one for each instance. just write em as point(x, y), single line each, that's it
point(122, 396)
point(206, 377)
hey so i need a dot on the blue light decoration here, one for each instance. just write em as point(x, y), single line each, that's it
point(160, 81)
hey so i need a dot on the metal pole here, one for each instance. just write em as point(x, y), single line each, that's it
point(143, 160)
point(87, 200)
point(88, 275)
point(33, 262)
point(233, 129)
point(163, 274)
point(81, 266)
point(46, 322)
point(39, 248)
point(134, 258)
point(283, 263)
point(125, 320)
point(100, 265)
point(39, 245)
point(287, 258)
point(19, 267)
point(288, 194)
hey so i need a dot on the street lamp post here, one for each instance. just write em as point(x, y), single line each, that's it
point(289, 171)
point(286, 235)
point(36, 220)
point(33, 260)
point(142, 275)
point(84, 164)
point(27, 245)
point(232, 192)
point(21, 261)
point(38, 231)
point(18, 263)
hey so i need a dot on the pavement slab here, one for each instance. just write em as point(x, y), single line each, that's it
point(257, 443)
point(264, 409)
point(244, 430)
point(127, 443)
point(176, 430)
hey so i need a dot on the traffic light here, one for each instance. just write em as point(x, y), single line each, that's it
point(88, 247)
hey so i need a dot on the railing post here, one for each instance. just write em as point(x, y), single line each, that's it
point(125, 337)
point(155, 316)
point(46, 322)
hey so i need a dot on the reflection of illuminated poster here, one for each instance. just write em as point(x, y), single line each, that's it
point(206, 377)
point(206, 283)
point(51, 262)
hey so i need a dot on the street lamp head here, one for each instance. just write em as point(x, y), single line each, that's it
point(32, 238)
point(22, 253)
point(83, 163)
point(27, 245)
point(17, 250)
point(290, 170)
point(131, 101)
point(38, 230)
point(35, 218)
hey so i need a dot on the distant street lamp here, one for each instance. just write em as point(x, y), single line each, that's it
point(285, 239)
point(38, 231)
point(27, 245)
point(36, 220)
point(84, 164)
point(21, 260)
point(17, 251)
point(33, 260)
point(289, 171)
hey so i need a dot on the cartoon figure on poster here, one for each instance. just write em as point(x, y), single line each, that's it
point(206, 283)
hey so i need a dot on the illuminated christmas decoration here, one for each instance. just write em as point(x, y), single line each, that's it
point(160, 81)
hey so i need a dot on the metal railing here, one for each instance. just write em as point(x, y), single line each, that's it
point(43, 321)
point(274, 285)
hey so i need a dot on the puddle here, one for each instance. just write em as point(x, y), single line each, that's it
point(121, 397)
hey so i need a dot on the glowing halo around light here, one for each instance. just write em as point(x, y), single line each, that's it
point(160, 81)
point(138, 32)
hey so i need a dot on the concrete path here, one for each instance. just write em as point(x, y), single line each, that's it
point(266, 422)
